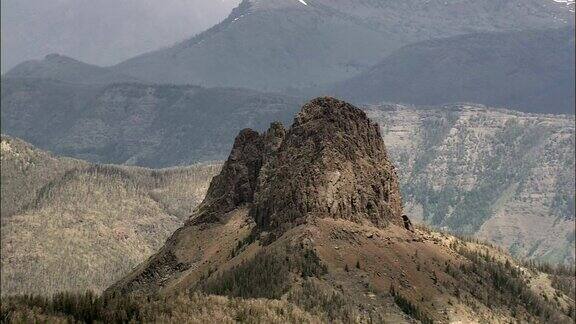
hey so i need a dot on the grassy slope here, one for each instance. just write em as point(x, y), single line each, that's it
point(85, 225)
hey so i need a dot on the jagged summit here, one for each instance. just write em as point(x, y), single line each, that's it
point(236, 183)
point(330, 163)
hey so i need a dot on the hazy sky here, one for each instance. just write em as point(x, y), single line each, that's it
point(101, 32)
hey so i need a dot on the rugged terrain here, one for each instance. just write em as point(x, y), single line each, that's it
point(68, 225)
point(312, 215)
point(504, 176)
point(523, 70)
point(453, 159)
point(280, 44)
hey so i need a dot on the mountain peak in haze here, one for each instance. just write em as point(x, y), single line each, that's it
point(284, 44)
point(50, 63)
point(64, 68)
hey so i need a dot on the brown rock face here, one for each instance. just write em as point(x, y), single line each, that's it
point(236, 183)
point(331, 163)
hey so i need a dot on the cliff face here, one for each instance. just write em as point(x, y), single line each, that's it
point(504, 176)
point(330, 163)
point(236, 183)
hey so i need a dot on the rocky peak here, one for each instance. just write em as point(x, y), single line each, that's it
point(236, 183)
point(330, 163)
point(273, 137)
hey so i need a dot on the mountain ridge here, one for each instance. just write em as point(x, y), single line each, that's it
point(522, 70)
point(307, 252)
point(133, 123)
point(69, 225)
point(66, 69)
point(371, 21)
point(306, 45)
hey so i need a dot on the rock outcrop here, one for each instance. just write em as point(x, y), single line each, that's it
point(236, 183)
point(330, 163)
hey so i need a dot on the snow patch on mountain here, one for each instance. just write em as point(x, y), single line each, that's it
point(569, 3)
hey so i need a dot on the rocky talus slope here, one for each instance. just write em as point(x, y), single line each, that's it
point(503, 176)
point(68, 225)
point(312, 215)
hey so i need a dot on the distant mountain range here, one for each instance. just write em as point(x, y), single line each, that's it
point(283, 44)
point(278, 44)
point(63, 68)
point(527, 70)
point(102, 32)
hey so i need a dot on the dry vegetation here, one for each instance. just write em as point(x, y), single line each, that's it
point(343, 272)
point(25, 170)
point(185, 308)
point(447, 280)
point(70, 226)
